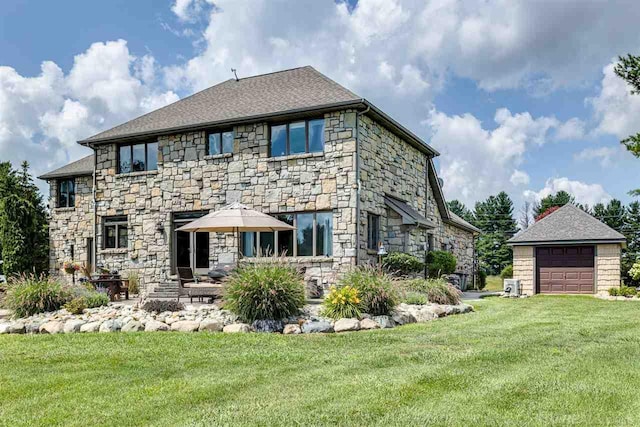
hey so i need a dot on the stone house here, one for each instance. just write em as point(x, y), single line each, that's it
point(293, 144)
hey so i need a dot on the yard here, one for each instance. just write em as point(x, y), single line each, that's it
point(541, 360)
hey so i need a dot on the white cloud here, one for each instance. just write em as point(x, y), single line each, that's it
point(616, 110)
point(188, 10)
point(477, 162)
point(605, 155)
point(588, 194)
point(519, 178)
point(572, 129)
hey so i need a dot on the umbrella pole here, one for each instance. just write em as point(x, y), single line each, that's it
point(238, 254)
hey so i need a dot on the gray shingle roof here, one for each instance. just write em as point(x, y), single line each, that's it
point(457, 221)
point(567, 224)
point(80, 167)
point(282, 91)
point(409, 215)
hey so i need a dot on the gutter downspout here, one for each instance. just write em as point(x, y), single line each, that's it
point(358, 114)
point(95, 209)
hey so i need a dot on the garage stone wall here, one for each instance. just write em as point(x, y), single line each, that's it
point(607, 267)
point(70, 227)
point(524, 268)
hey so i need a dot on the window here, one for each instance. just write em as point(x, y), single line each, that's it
point(305, 136)
point(430, 243)
point(313, 237)
point(66, 193)
point(373, 231)
point(220, 142)
point(138, 157)
point(116, 233)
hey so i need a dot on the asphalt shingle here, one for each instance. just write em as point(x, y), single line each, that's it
point(80, 167)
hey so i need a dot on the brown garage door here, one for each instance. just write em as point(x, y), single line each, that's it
point(565, 270)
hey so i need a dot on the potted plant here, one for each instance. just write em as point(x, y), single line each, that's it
point(70, 267)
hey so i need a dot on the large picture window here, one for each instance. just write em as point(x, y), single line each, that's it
point(373, 231)
point(116, 232)
point(66, 193)
point(305, 136)
point(313, 237)
point(220, 142)
point(138, 157)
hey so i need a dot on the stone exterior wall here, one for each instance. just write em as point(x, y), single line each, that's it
point(187, 180)
point(524, 268)
point(607, 267)
point(70, 228)
point(391, 166)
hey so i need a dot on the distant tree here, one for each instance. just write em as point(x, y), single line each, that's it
point(494, 217)
point(24, 234)
point(631, 230)
point(525, 219)
point(461, 210)
point(560, 199)
point(628, 69)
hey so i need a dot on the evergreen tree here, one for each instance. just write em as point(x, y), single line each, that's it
point(24, 239)
point(615, 214)
point(628, 69)
point(631, 230)
point(494, 217)
point(560, 199)
point(461, 210)
point(599, 211)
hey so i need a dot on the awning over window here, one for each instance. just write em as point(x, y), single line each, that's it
point(409, 215)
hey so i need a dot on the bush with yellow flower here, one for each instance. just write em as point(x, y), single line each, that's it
point(342, 302)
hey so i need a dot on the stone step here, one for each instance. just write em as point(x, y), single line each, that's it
point(155, 295)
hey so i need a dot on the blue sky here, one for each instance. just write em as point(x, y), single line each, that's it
point(515, 96)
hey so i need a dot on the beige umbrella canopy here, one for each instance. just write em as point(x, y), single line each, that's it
point(235, 218)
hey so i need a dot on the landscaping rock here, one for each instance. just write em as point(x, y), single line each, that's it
point(346, 325)
point(133, 326)
point(4, 328)
point(314, 327)
point(53, 327)
point(403, 317)
point(237, 328)
point(185, 326)
point(90, 327)
point(291, 329)
point(73, 325)
point(155, 326)
point(33, 327)
point(5, 314)
point(17, 327)
point(268, 326)
point(385, 322)
point(424, 314)
point(109, 326)
point(211, 325)
point(438, 310)
point(369, 324)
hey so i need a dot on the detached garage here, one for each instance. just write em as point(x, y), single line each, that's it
point(567, 252)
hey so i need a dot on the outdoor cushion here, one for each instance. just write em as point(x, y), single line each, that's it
point(200, 285)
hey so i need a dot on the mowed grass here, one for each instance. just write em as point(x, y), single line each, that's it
point(494, 283)
point(536, 361)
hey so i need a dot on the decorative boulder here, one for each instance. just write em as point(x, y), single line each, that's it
point(110, 326)
point(291, 329)
point(17, 327)
point(155, 326)
point(268, 326)
point(424, 314)
point(210, 325)
point(236, 328)
point(384, 321)
point(90, 327)
point(367, 324)
point(346, 325)
point(403, 317)
point(53, 327)
point(321, 326)
point(133, 326)
point(73, 325)
point(185, 326)
point(4, 328)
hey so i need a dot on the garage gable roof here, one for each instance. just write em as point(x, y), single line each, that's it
point(569, 224)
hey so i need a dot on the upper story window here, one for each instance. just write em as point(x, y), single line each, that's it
point(66, 193)
point(313, 237)
point(373, 231)
point(220, 142)
point(116, 232)
point(305, 136)
point(138, 157)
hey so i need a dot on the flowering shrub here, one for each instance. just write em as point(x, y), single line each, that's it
point(376, 290)
point(634, 272)
point(71, 267)
point(341, 303)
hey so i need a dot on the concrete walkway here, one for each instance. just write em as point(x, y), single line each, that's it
point(478, 295)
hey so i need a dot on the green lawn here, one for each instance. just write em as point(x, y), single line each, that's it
point(536, 361)
point(494, 283)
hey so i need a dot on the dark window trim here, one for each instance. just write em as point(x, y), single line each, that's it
point(288, 141)
point(373, 243)
point(218, 131)
point(146, 154)
point(68, 193)
point(119, 221)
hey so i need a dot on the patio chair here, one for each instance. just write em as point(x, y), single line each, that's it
point(191, 286)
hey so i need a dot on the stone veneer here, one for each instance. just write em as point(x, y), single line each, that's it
point(524, 265)
point(607, 267)
point(188, 180)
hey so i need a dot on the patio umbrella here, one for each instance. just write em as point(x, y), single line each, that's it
point(235, 218)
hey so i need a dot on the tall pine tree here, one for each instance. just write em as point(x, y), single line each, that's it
point(631, 230)
point(559, 199)
point(628, 69)
point(461, 210)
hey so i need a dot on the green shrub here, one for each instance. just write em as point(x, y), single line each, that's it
point(400, 264)
point(378, 295)
point(341, 303)
point(96, 299)
point(89, 295)
point(507, 272)
point(161, 306)
point(613, 292)
point(76, 305)
point(437, 291)
point(134, 282)
point(270, 291)
point(415, 298)
point(482, 279)
point(30, 294)
point(627, 291)
point(440, 262)
point(634, 271)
